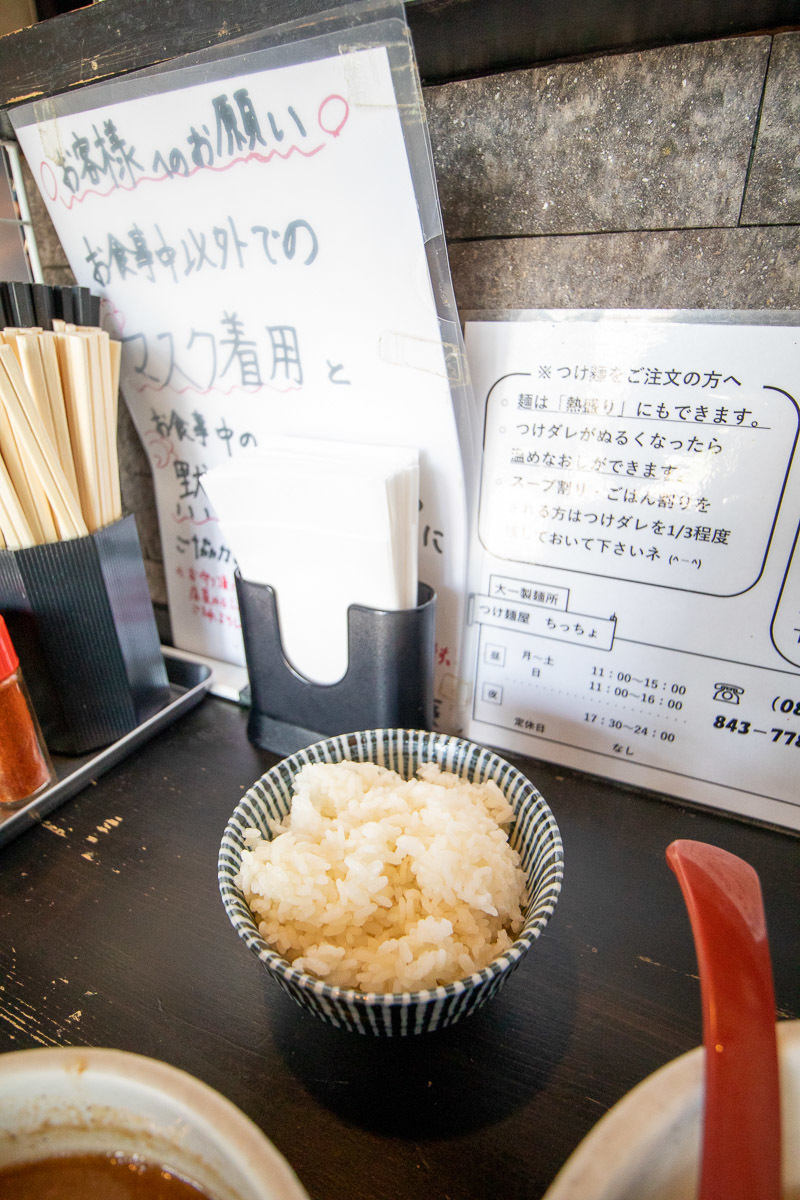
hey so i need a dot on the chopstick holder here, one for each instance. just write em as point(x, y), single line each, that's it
point(81, 619)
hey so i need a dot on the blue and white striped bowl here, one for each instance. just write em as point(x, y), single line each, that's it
point(534, 834)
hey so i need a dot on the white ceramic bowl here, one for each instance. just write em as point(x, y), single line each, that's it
point(647, 1147)
point(83, 1101)
point(534, 834)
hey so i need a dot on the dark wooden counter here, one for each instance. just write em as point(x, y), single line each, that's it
point(113, 934)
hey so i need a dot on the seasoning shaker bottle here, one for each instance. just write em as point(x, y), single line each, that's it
point(25, 767)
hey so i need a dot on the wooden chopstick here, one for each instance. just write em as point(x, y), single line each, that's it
point(58, 408)
point(59, 468)
point(17, 533)
point(60, 511)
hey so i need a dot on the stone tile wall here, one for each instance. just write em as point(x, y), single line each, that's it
point(668, 178)
point(658, 140)
point(663, 179)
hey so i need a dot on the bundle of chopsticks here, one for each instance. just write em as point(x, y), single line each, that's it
point(59, 472)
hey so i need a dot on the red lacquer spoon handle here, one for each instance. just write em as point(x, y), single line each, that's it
point(741, 1129)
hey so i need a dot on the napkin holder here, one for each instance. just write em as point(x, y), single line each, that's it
point(82, 622)
point(388, 683)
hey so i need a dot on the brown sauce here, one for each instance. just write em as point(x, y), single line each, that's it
point(95, 1177)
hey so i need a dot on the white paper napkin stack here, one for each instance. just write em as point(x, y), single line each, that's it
point(327, 525)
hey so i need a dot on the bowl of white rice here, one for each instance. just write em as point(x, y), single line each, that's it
point(391, 880)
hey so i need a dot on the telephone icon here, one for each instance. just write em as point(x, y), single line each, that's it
point(728, 693)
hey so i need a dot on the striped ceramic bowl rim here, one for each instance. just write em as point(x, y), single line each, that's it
point(534, 834)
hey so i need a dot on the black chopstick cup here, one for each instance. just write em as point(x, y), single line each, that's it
point(18, 305)
point(82, 622)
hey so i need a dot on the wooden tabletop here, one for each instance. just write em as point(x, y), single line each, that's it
point(113, 934)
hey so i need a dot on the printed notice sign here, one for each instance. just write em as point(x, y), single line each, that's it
point(257, 236)
point(634, 600)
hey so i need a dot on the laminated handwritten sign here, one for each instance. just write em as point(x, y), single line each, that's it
point(258, 229)
point(634, 576)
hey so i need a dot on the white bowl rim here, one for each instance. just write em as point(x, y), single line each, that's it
point(248, 931)
point(264, 1163)
point(660, 1094)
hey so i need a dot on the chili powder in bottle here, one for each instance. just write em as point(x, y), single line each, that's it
point(25, 767)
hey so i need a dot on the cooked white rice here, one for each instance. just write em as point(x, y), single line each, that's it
point(384, 884)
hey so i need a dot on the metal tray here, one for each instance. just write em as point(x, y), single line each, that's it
point(188, 685)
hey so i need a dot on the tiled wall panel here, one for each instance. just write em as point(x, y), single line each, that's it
point(755, 268)
point(653, 140)
point(773, 187)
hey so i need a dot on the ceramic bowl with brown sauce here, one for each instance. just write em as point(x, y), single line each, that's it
point(116, 1126)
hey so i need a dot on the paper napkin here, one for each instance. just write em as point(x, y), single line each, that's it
point(326, 525)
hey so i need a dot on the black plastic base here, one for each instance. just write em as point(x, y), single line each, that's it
point(388, 683)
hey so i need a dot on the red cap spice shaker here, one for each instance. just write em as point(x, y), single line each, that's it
point(25, 767)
